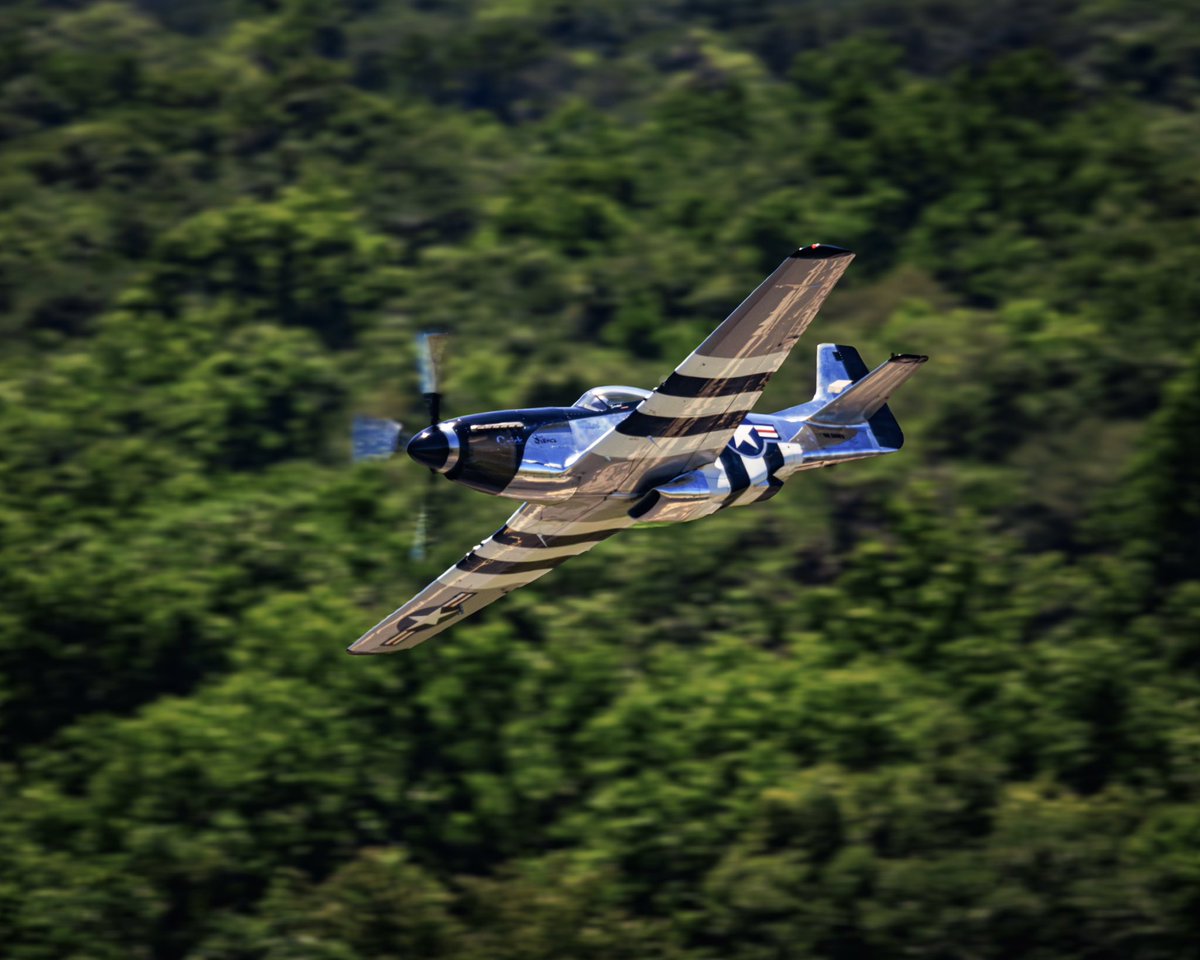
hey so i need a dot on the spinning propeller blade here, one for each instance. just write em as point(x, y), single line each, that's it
point(431, 349)
point(374, 438)
point(420, 542)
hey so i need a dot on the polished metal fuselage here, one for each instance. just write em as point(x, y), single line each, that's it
point(761, 454)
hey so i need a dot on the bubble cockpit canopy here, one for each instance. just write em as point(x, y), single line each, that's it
point(609, 399)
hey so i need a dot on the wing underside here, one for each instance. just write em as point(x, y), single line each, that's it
point(534, 540)
point(690, 418)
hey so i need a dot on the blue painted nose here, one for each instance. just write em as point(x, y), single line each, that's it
point(430, 448)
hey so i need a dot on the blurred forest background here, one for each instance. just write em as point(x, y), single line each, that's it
point(941, 705)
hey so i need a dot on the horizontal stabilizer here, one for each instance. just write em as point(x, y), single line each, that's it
point(861, 400)
point(374, 439)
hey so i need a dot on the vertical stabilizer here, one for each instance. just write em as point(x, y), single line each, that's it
point(838, 367)
point(848, 415)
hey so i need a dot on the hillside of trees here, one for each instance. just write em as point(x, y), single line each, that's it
point(943, 705)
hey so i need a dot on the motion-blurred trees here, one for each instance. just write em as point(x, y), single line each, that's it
point(942, 704)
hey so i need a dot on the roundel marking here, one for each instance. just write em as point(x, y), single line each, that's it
point(747, 441)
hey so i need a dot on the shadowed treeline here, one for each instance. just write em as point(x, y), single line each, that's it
point(943, 705)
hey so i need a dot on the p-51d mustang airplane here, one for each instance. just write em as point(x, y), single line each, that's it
point(621, 456)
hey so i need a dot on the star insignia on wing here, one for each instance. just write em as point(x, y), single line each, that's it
point(419, 620)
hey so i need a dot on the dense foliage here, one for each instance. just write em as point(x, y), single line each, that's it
point(942, 705)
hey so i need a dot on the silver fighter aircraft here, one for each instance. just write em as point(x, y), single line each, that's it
point(621, 456)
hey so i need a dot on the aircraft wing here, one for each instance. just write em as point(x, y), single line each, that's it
point(693, 414)
point(534, 540)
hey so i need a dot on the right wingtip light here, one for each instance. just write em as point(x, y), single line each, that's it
point(821, 251)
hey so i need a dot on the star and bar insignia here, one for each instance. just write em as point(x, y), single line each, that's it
point(427, 617)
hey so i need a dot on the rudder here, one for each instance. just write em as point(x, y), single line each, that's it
point(849, 397)
point(838, 367)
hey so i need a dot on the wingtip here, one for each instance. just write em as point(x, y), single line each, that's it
point(908, 358)
point(359, 647)
point(821, 251)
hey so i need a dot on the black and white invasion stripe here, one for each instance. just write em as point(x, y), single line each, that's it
point(512, 557)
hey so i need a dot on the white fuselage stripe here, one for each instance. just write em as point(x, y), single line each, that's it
point(756, 469)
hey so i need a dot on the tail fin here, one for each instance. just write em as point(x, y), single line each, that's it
point(848, 396)
point(838, 366)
